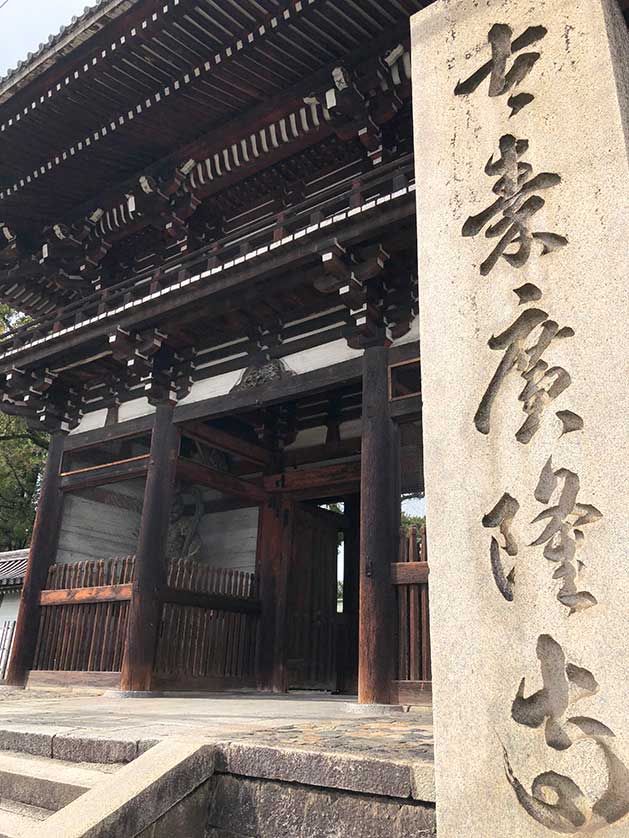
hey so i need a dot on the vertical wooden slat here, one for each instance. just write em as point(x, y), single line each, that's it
point(426, 668)
point(75, 635)
point(416, 628)
point(403, 618)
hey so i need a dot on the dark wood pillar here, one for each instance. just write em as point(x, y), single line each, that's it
point(348, 677)
point(379, 532)
point(150, 560)
point(42, 554)
point(275, 546)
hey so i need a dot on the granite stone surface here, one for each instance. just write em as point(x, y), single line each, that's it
point(267, 809)
point(520, 113)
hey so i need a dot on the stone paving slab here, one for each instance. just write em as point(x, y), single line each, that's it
point(304, 739)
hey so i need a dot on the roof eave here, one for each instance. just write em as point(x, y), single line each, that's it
point(58, 46)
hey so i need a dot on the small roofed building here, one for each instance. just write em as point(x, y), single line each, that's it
point(12, 572)
point(208, 213)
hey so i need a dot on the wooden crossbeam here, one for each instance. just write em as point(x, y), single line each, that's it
point(84, 596)
point(72, 481)
point(337, 478)
point(221, 481)
point(326, 478)
point(318, 453)
point(228, 443)
point(409, 573)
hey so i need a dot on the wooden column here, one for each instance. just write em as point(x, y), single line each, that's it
point(42, 553)
point(275, 545)
point(151, 561)
point(348, 677)
point(379, 532)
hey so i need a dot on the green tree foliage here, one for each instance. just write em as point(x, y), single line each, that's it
point(22, 454)
point(409, 521)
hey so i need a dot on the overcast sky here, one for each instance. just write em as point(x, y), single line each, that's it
point(24, 24)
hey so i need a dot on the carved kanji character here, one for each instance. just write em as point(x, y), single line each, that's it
point(502, 516)
point(517, 204)
point(502, 80)
point(543, 383)
point(556, 801)
point(563, 533)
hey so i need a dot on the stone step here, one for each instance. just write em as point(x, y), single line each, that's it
point(47, 783)
point(17, 819)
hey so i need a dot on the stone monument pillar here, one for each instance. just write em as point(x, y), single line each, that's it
point(521, 119)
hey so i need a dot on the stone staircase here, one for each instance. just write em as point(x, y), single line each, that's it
point(32, 788)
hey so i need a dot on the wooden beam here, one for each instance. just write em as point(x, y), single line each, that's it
point(221, 481)
point(336, 479)
point(216, 602)
point(330, 478)
point(318, 453)
point(228, 443)
point(73, 481)
point(42, 553)
point(279, 270)
point(275, 392)
point(212, 507)
point(121, 430)
point(82, 596)
point(409, 573)
point(150, 570)
point(407, 409)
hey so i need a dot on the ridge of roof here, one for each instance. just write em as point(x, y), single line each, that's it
point(13, 567)
point(79, 30)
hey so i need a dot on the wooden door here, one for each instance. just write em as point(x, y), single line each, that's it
point(312, 597)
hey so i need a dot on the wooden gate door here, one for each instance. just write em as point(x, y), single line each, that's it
point(312, 596)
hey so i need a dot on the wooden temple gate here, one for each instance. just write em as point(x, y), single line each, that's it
point(208, 630)
point(233, 267)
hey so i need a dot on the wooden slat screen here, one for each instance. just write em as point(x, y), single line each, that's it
point(194, 642)
point(413, 658)
point(88, 637)
point(204, 643)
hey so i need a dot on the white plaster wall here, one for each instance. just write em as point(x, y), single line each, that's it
point(9, 604)
point(219, 385)
point(92, 530)
point(91, 421)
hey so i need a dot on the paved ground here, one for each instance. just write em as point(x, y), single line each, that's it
point(301, 721)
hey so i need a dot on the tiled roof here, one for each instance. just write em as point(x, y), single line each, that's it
point(78, 23)
point(13, 568)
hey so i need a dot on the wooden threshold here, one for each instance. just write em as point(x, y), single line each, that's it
point(190, 683)
point(411, 692)
point(63, 678)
